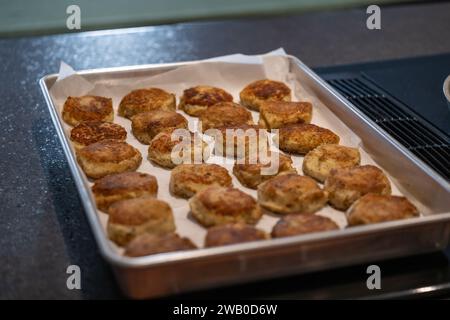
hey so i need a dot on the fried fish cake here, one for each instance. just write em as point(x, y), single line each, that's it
point(133, 217)
point(143, 100)
point(87, 108)
point(296, 224)
point(218, 205)
point(121, 186)
point(148, 244)
point(225, 114)
point(375, 208)
point(232, 234)
point(302, 138)
point(146, 125)
point(89, 132)
point(251, 173)
point(188, 179)
point(254, 94)
point(197, 99)
point(345, 186)
point(320, 161)
point(277, 114)
point(291, 193)
point(168, 150)
point(107, 157)
point(239, 141)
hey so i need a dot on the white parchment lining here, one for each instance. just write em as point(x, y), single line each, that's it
point(231, 73)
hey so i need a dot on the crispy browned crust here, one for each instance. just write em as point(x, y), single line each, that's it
point(161, 146)
point(296, 224)
point(108, 151)
point(133, 212)
point(143, 100)
point(225, 114)
point(232, 234)
point(345, 186)
point(148, 244)
point(302, 138)
point(277, 114)
point(375, 208)
point(249, 174)
point(132, 217)
point(254, 94)
point(125, 182)
point(218, 205)
point(291, 193)
point(87, 108)
point(107, 157)
point(93, 131)
point(188, 179)
point(146, 125)
point(319, 162)
point(121, 186)
point(222, 140)
point(197, 99)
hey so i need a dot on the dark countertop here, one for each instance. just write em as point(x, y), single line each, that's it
point(42, 224)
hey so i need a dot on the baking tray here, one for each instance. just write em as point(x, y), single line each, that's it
point(177, 272)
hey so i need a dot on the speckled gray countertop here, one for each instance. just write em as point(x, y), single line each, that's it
point(42, 224)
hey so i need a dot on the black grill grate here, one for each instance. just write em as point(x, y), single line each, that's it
point(403, 124)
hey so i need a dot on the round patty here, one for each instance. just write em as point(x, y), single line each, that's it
point(89, 132)
point(297, 224)
point(375, 208)
point(257, 92)
point(319, 162)
point(219, 205)
point(197, 99)
point(108, 157)
point(87, 108)
point(144, 100)
point(302, 138)
point(345, 186)
point(291, 193)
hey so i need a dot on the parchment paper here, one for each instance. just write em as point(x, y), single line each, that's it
point(231, 73)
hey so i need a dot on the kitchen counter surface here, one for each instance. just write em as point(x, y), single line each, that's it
point(43, 228)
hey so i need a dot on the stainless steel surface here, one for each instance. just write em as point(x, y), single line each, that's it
point(183, 271)
point(446, 89)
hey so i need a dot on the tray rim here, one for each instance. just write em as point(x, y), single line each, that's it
point(118, 260)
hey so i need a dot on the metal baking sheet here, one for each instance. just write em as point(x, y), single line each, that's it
point(181, 271)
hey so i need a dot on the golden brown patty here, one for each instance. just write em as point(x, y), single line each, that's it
point(291, 193)
point(146, 125)
point(197, 99)
point(320, 161)
point(147, 244)
point(143, 100)
point(296, 224)
point(107, 157)
point(225, 114)
point(239, 141)
point(375, 208)
point(233, 233)
point(132, 217)
point(345, 186)
point(251, 174)
point(93, 131)
point(121, 186)
point(161, 147)
point(253, 95)
point(277, 114)
point(218, 205)
point(302, 138)
point(188, 179)
point(87, 108)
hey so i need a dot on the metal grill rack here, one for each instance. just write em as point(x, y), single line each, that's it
point(397, 119)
